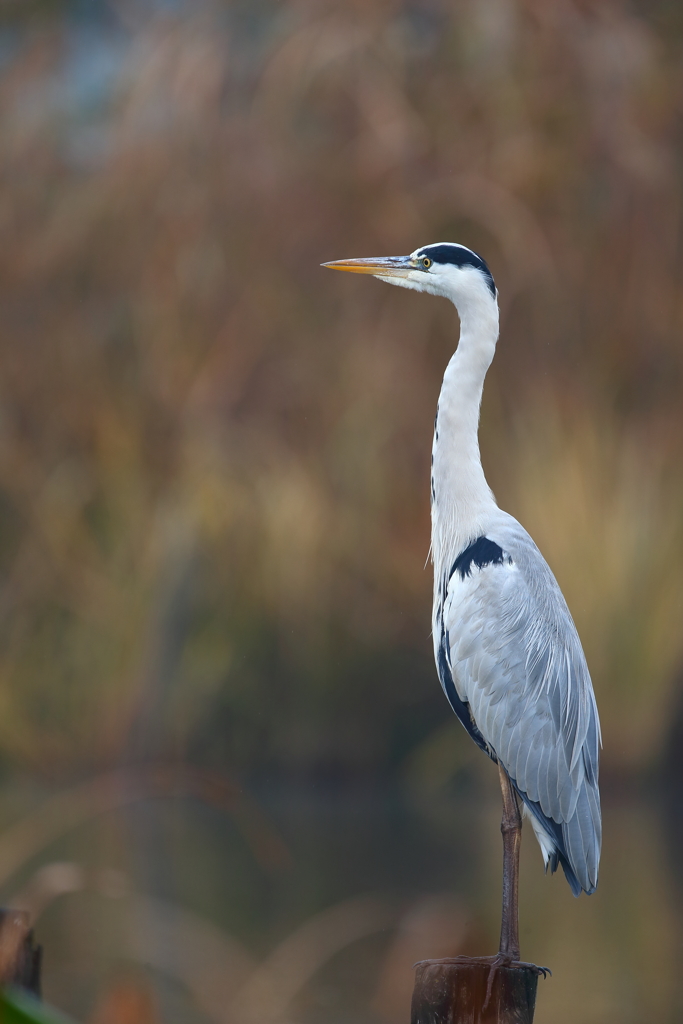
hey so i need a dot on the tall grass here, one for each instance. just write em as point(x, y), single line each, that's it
point(214, 455)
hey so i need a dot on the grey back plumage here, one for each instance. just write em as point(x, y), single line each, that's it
point(508, 651)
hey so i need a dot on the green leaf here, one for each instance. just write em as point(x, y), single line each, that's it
point(17, 1007)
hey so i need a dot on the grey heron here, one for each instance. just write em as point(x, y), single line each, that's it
point(507, 651)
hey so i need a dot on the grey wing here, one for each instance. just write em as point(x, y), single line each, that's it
point(518, 666)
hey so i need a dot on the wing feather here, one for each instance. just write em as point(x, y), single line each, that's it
point(517, 664)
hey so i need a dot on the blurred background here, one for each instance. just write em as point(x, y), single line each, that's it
point(231, 789)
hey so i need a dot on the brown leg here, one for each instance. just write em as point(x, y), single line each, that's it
point(511, 827)
point(507, 957)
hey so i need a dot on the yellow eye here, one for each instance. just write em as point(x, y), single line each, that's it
point(426, 262)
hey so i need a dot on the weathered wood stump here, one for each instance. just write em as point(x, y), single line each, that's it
point(20, 959)
point(472, 990)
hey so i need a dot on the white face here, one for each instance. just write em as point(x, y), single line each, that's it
point(443, 268)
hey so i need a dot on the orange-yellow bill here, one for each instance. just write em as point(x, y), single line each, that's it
point(379, 266)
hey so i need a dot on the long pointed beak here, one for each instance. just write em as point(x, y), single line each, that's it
point(379, 266)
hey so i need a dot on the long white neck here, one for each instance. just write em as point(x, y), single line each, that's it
point(462, 501)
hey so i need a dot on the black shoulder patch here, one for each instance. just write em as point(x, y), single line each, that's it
point(459, 256)
point(480, 553)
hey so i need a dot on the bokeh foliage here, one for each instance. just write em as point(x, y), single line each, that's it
point(214, 454)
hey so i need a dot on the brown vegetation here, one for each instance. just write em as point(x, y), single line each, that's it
point(214, 457)
point(214, 454)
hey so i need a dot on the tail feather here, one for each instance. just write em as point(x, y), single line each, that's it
point(551, 839)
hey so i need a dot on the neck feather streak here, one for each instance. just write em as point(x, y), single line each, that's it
point(462, 501)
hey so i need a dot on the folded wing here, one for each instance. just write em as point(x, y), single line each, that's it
point(511, 662)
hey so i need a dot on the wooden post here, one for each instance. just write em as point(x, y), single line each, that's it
point(19, 957)
point(474, 990)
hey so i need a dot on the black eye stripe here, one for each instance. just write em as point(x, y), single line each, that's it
point(458, 256)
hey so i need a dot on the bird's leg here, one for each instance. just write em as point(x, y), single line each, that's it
point(508, 951)
point(511, 828)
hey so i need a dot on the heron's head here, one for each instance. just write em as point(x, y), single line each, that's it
point(443, 268)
